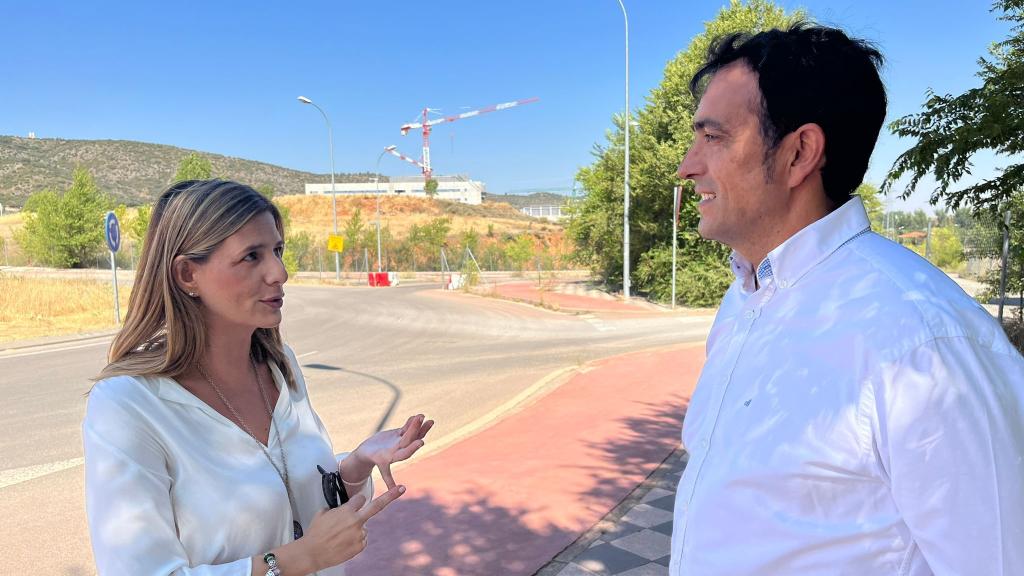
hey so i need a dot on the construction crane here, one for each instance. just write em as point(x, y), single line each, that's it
point(427, 123)
point(394, 152)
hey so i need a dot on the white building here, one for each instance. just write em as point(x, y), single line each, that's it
point(453, 188)
point(550, 212)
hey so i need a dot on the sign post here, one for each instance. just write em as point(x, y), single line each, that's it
point(113, 234)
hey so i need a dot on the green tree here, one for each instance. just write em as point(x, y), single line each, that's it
point(286, 216)
point(65, 229)
point(300, 246)
point(354, 230)
point(519, 251)
point(437, 231)
point(267, 190)
point(903, 222)
point(193, 167)
point(947, 252)
point(291, 263)
point(664, 135)
point(469, 239)
point(138, 225)
point(869, 194)
point(952, 129)
point(430, 187)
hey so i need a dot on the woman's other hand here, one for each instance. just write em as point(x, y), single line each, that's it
point(337, 535)
point(389, 446)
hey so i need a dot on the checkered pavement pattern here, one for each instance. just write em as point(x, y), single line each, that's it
point(634, 538)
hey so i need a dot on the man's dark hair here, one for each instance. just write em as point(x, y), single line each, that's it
point(812, 74)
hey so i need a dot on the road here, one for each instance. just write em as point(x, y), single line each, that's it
point(370, 357)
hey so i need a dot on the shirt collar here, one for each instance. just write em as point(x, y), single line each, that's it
point(170, 389)
point(788, 262)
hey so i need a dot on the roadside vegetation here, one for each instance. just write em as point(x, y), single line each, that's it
point(62, 228)
point(656, 146)
point(951, 130)
point(33, 307)
point(947, 133)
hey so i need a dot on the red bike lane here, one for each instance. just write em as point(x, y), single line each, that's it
point(507, 499)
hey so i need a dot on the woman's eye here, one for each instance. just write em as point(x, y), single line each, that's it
point(710, 137)
point(279, 251)
point(251, 257)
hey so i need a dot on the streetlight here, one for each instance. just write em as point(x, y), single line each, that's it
point(625, 211)
point(376, 183)
point(334, 196)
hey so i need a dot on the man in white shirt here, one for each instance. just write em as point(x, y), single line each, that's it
point(858, 414)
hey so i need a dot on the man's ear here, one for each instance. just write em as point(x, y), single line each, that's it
point(184, 271)
point(806, 153)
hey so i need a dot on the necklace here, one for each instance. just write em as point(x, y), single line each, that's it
point(281, 472)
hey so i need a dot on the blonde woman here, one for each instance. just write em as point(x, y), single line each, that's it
point(201, 447)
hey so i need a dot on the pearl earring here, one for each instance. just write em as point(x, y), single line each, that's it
point(192, 294)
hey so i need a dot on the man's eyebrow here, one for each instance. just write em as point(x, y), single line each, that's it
point(705, 123)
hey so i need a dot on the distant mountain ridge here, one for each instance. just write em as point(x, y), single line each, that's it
point(132, 172)
point(524, 200)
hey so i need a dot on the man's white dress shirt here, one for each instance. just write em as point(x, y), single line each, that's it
point(174, 487)
point(858, 415)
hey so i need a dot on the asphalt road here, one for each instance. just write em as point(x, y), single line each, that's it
point(370, 356)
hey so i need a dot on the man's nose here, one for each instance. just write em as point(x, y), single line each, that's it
point(688, 168)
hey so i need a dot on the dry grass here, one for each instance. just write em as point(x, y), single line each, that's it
point(36, 307)
point(312, 214)
point(8, 224)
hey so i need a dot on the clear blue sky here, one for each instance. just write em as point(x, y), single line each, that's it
point(223, 77)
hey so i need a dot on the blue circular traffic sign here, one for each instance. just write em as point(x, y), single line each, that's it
point(113, 230)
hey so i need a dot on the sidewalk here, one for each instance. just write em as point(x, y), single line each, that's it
point(571, 296)
point(509, 499)
point(634, 538)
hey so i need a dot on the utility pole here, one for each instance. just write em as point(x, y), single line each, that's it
point(675, 239)
point(1002, 274)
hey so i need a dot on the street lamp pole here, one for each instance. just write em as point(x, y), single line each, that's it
point(376, 183)
point(625, 211)
point(334, 195)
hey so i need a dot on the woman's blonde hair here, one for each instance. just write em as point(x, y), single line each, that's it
point(164, 333)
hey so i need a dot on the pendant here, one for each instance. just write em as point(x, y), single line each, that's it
point(296, 529)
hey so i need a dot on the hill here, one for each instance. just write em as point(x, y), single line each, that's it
point(312, 214)
point(132, 172)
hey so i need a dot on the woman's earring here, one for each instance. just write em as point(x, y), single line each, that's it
point(193, 294)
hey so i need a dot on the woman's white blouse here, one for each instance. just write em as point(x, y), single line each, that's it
point(174, 487)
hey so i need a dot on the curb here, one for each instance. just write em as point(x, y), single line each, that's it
point(517, 403)
point(43, 342)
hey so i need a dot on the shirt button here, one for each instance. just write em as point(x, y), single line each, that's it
point(704, 442)
point(749, 314)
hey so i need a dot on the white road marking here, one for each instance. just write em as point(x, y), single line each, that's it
point(19, 475)
point(306, 354)
point(597, 323)
point(49, 351)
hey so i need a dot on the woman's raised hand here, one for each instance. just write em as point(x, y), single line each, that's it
point(389, 446)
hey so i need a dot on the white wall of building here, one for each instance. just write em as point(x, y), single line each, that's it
point(549, 212)
point(455, 189)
